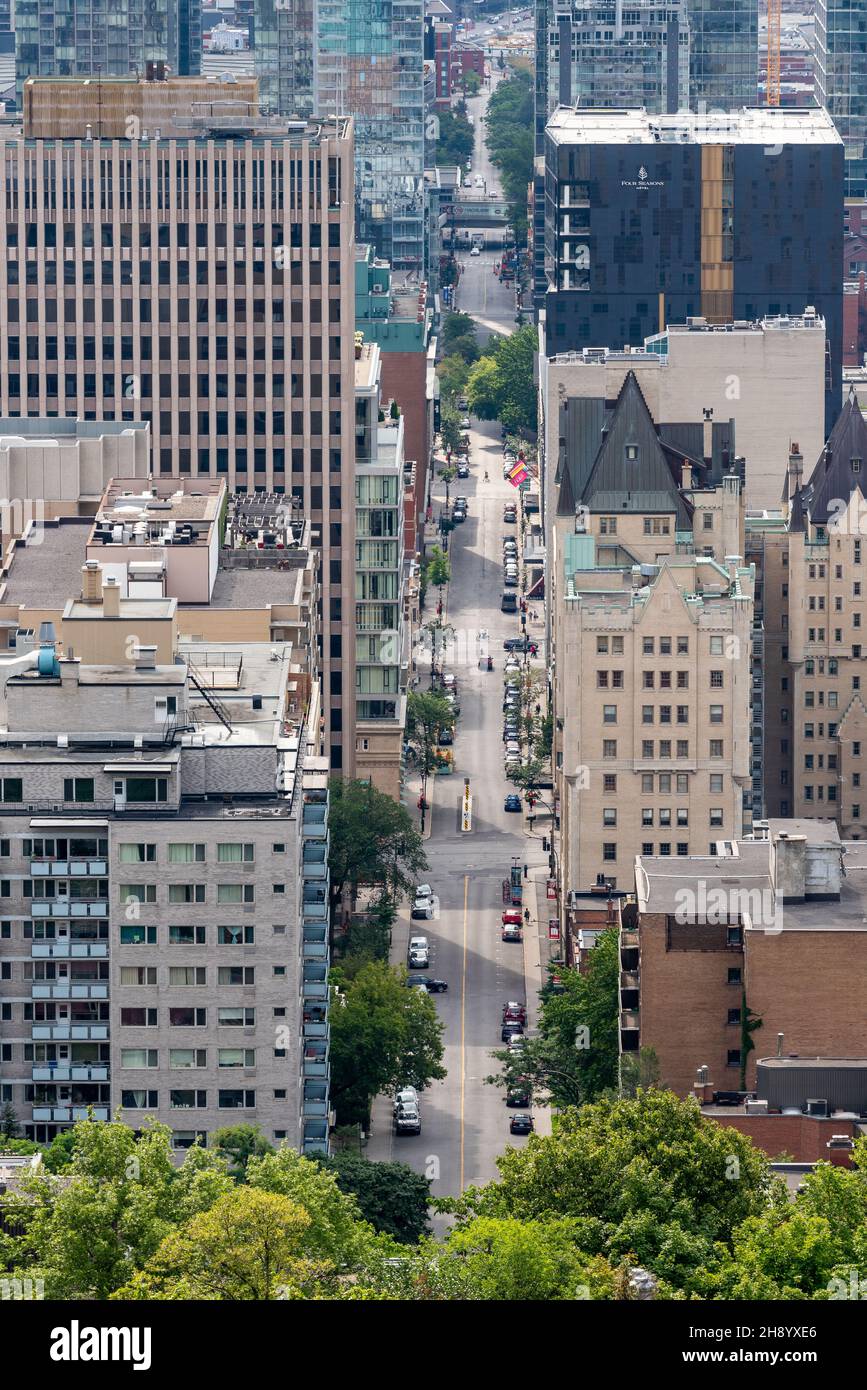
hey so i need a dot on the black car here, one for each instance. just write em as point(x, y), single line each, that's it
point(515, 644)
point(463, 470)
point(432, 986)
point(521, 1124)
point(459, 515)
point(518, 1098)
point(510, 1028)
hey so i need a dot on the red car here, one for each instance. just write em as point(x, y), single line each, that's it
point(513, 1012)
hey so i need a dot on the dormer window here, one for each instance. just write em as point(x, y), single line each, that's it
point(631, 453)
point(856, 465)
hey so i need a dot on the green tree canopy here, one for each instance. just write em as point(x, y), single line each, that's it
point(453, 372)
point(438, 571)
point(426, 713)
point(237, 1144)
point(459, 336)
point(455, 142)
point(383, 1036)
point(509, 121)
point(374, 843)
point(501, 384)
point(392, 1197)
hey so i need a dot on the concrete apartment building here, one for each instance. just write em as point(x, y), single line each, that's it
point(770, 930)
point(164, 831)
point(382, 633)
point(767, 376)
point(652, 615)
point(728, 215)
point(206, 285)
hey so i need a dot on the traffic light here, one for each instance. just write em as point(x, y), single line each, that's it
point(546, 844)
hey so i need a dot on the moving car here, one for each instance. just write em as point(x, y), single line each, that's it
point(509, 602)
point(407, 1121)
point(463, 470)
point(514, 644)
point(521, 1124)
point(418, 953)
point(432, 986)
point(512, 802)
point(406, 1096)
point(511, 933)
point(475, 251)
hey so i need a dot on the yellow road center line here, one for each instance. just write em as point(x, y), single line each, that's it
point(463, 1026)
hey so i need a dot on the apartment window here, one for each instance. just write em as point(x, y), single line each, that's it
point(186, 893)
point(608, 525)
point(184, 1058)
point(707, 521)
point(647, 781)
point(139, 1100)
point(647, 714)
point(609, 748)
point(186, 854)
point(716, 748)
point(733, 1057)
point(137, 892)
point(235, 936)
point(609, 714)
point(186, 1016)
point(144, 789)
point(228, 893)
point(665, 646)
point(808, 793)
point(716, 646)
point(665, 680)
point(682, 646)
point(236, 975)
point(647, 847)
point(683, 680)
point(236, 1017)
point(716, 817)
point(609, 815)
point(236, 1057)
point(856, 811)
point(682, 783)
point(236, 1100)
point(74, 789)
point(683, 714)
point(665, 848)
point(683, 848)
point(138, 1018)
point(187, 936)
point(184, 975)
point(665, 714)
point(647, 815)
point(235, 853)
point(716, 680)
point(138, 974)
point(647, 646)
point(617, 646)
point(657, 526)
point(602, 646)
point(735, 975)
point(716, 714)
point(683, 748)
point(609, 851)
point(137, 854)
point(647, 748)
point(856, 750)
point(137, 935)
point(188, 1100)
point(665, 816)
point(647, 680)
point(602, 680)
point(133, 1058)
point(609, 782)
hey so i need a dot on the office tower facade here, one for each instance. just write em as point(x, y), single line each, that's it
point(164, 941)
point(651, 619)
point(841, 82)
point(56, 39)
point(658, 219)
point(724, 54)
point(367, 60)
point(225, 318)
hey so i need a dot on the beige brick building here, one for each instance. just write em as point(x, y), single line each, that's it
point(200, 275)
point(652, 616)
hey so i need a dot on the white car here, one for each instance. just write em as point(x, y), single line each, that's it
point(468, 183)
point(406, 1096)
point(479, 181)
point(475, 251)
point(513, 748)
point(423, 890)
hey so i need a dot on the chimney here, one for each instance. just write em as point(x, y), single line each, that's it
point(685, 474)
point(111, 598)
point(702, 1087)
point(707, 437)
point(840, 1148)
point(796, 471)
point(790, 868)
point(91, 585)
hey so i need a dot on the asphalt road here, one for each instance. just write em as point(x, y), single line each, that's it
point(480, 291)
point(465, 1123)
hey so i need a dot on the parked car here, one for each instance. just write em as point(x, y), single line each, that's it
point(510, 515)
point(422, 910)
point(459, 515)
point(511, 1027)
point(423, 890)
point(521, 1124)
point(513, 746)
point(514, 1009)
point(514, 644)
point(512, 802)
point(462, 502)
point(520, 1097)
point(468, 182)
point(445, 738)
point(463, 470)
point(406, 1096)
point(510, 579)
point(407, 1121)
point(418, 953)
point(475, 251)
point(511, 933)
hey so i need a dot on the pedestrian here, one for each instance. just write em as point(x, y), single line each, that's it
point(526, 871)
point(538, 709)
point(527, 916)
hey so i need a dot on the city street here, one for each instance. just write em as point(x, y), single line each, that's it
point(480, 292)
point(465, 1123)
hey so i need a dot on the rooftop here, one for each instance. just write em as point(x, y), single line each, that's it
point(764, 125)
point(48, 566)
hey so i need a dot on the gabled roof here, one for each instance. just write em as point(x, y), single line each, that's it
point(833, 477)
point(647, 484)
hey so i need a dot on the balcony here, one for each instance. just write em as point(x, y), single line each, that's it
point(315, 1030)
point(315, 1060)
point(315, 942)
point(314, 862)
point(315, 1102)
point(60, 1032)
point(68, 907)
point(315, 904)
point(314, 821)
point(315, 1137)
point(68, 868)
point(57, 950)
point(629, 1020)
point(67, 1114)
point(58, 1072)
point(630, 979)
point(66, 989)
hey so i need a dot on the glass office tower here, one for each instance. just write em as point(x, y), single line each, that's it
point(724, 53)
point(77, 38)
point(363, 58)
point(841, 82)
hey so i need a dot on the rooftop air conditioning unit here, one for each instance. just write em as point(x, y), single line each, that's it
point(816, 1107)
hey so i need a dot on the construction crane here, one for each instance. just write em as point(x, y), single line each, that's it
point(772, 87)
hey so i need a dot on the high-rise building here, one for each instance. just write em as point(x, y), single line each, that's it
point(723, 54)
point(164, 832)
point(62, 38)
point(224, 315)
point(651, 620)
point(589, 55)
point(658, 219)
point(365, 60)
point(841, 82)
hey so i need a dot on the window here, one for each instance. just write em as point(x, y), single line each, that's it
point(137, 935)
point(137, 892)
point(716, 680)
point(138, 974)
point(716, 748)
point(140, 789)
point(139, 1100)
point(716, 714)
point(138, 1018)
point(181, 1058)
point(183, 975)
point(682, 646)
point(647, 781)
point(236, 1100)
point(608, 525)
point(609, 714)
point(188, 1100)
point(235, 854)
point(186, 892)
point(134, 1057)
point(647, 748)
point(186, 854)
point(187, 936)
point(665, 815)
point(602, 646)
point(236, 975)
point(609, 851)
point(236, 1057)
point(647, 646)
point(647, 714)
point(683, 680)
point(733, 1057)
point(235, 892)
point(609, 782)
point(647, 815)
point(609, 815)
point(137, 854)
point(609, 748)
point(11, 788)
point(617, 646)
point(602, 680)
point(716, 817)
point(647, 680)
point(236, 1017)
point(186, 1016)
point(74, 789)
point(734, 975)
point(707, 521)
point(235, 936)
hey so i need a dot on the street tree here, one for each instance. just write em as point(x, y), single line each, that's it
point(392, 1197)
point(438, 571)
point(453, 372)
point(237, 1144)
point(455, 142)
point(427, 712)
point(450, 428)
point(459, 336)
point(383, 1036)
point(373, 843)
point(337, 1232)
